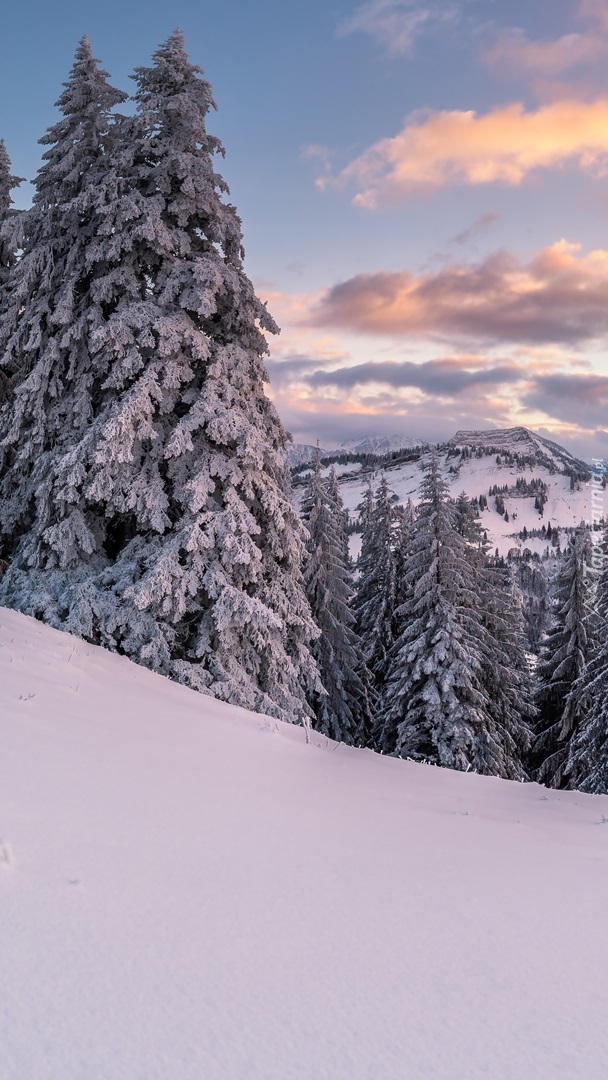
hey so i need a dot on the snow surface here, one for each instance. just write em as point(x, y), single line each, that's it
point(564, 508)
point(191, 891)
point(303, 453)
point(519, 440)
point(475, 476)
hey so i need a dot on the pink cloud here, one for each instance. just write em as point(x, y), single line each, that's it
point(561, 296)
point(439, 149)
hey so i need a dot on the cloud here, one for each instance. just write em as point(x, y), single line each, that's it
point(543, 388)
point(594, 11)
point(559, 296)
point(396, 24)
point(434, 421)
point(287, 370)
point(444, 377)
point(576, 398)
point(513, 54)
point(480, 225)
point(440, 149)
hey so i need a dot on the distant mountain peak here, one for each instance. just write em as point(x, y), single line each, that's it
point(380, 444)
point(521, 440)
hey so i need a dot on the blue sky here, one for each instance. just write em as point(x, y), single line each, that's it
point(423, 188)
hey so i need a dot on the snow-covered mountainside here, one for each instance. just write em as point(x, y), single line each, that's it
point(379, 444)
point(539, 482)
point(189, 890)
point(522, 441)
point(304, 453)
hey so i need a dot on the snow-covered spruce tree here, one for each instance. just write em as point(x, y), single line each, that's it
point(342, 515)
point(436, 706)
point(147, 497)
point(532, 580)
point(49, 310)
point(344, 711)
point(405, 517)
point(587, 766)
point(562, 664)
point(375, 596)
point(9, 241)
point(506, 672)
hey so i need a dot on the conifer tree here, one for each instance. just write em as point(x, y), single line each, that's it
point(9, 242)
point(436, 704)
point(149, 503)
point(343, 712)
point(587, 767)
point(405, 518)
point(506, 674)
point(563, 663)
point(342, 516)
point(375, 598)
point(50, 312)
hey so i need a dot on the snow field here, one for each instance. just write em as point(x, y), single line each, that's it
point(476, 476)
point(193, 891)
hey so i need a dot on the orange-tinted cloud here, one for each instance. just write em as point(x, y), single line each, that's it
point(559, 296)
point(438, 149)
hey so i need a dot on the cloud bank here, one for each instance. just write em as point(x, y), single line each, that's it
point(437, 149)
point(559, 296)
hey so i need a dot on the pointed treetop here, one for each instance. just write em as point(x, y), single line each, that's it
point(7, 180)
point(86, 87)
point(174, 46)
point(84, 49)
point(172, 61)
point(75, 142)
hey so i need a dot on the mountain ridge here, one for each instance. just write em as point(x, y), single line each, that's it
point(515, 440)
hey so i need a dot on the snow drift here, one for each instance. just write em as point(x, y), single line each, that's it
point(189, 890)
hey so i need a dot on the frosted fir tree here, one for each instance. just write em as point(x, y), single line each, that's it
point(562, 664)
point(341, 514)
point(343, 712)
point(49, 283)
point(376, 588)
point(467, 523)
point(50, 310)
point(158, 521)
point(8, 213)
point(587, 766)
point(435, 705)
point(9, 240)
point(405, 517)
point(506, 673)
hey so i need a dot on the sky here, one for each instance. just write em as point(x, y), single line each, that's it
point(423, 189)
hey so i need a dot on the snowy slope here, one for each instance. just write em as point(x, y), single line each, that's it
point(303, 453)
point(519, 440)
point(552, 464)
point(190, 891)
point(379, 444)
